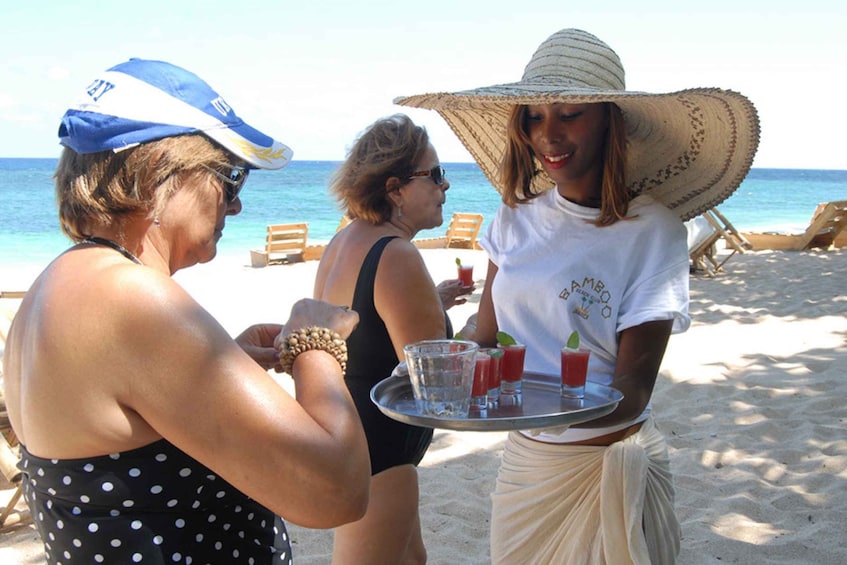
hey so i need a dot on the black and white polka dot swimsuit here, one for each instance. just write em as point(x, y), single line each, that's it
point(151, 505)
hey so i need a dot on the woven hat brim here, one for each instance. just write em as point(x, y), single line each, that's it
point(689, 149)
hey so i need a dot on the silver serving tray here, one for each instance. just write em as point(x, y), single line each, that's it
point(540, 406)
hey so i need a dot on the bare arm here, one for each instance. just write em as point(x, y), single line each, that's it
point(640, 354)
point(304, 459)
point(406, 297)
point(482, 326)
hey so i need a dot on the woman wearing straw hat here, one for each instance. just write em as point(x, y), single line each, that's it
point(392, 186)
point(602, 253)
point(148, 434)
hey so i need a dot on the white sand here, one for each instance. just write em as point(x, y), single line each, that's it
point(751, 398)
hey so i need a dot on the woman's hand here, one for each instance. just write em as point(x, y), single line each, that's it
point(258, 342)
point(451, 291)
point(469, 331)
point(308, 312)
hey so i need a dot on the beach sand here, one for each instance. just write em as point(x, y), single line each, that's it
point(751, 400)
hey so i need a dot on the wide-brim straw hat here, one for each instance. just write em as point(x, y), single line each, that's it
point(689, 149)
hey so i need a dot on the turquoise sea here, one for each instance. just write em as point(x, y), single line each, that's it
point(767, 200)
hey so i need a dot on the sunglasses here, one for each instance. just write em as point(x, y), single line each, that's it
point(437, 174)
point(233, 181)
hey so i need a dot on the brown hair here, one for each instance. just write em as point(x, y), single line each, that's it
point(390, 147)
point(518, 167)
point(107, 188)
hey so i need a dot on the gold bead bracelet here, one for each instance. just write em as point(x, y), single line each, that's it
point(309, 339)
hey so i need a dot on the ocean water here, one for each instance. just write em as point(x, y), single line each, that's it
point(767, 200)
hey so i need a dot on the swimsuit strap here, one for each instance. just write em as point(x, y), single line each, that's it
point(94, 240)
point(363, 293)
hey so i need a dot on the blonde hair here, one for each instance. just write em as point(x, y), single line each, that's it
point(107, 188)
point(518, 167)
point(390, 147)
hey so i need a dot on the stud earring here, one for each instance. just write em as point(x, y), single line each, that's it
point(156, 221)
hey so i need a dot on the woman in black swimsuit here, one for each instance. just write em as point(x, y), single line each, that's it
point(392, 186)
point(149, 435)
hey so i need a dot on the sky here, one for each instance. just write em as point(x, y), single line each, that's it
point(314, 73)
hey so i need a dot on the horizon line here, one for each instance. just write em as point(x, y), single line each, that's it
point(293, 161)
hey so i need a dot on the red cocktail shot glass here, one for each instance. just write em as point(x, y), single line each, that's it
point(574, 372)
point(511, 368)
point(466, 274)
point(479, 390)
point(494, 370)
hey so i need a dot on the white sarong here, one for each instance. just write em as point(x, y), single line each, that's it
point(575, 504)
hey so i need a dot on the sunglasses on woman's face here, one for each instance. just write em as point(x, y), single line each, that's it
point(437, 174)
point(233, 181)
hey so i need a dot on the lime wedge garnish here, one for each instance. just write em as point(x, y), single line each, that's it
point(458, 261)
point(496, 353)
point(458, 335)
point(505, 339)
point(573, 340)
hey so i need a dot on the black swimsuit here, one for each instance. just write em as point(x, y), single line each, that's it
point(371, 358)
point(151, 505)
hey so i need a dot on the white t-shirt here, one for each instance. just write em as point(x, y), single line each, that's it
point(558, 273)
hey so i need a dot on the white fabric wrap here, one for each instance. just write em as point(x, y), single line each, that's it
point(578, 504)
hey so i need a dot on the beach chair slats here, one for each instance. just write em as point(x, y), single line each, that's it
point(463, 230)
point(285, 243)
point(715, 227)
point(828, 222)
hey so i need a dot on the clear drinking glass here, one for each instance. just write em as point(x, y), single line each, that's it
point(441, 372)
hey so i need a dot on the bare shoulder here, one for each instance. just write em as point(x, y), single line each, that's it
point(402, 254)
point(154, 303)
point(97, 324)
point(141, 293)
point(121, 306)
point(402, 270)
point(406, 297)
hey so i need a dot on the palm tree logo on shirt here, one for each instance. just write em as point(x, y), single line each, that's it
point(584, 307)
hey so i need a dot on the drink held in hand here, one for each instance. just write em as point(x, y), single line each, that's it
point(479, 390)
point(511, 365)
point(574, 368)
point(465, 273)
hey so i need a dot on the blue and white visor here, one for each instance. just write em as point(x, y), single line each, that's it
point(140, 101)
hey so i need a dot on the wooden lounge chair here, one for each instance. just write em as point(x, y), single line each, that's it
point(828, 222)
point(9, 450)
point(9, 455)
point(704, 233)
point(315, 252)
point(463, 230)
point(828, 228)
point(345, 221)
point(12, 293)
point(285, 243)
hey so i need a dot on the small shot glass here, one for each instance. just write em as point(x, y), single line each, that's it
point(574, 372)
point(511, 368)
point(479, 389)
point(496, 356)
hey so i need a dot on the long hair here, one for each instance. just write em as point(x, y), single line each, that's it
point(106, 188)
point(390, 147)
point(519, 168)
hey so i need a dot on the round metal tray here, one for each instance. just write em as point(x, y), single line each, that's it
point(540, 405)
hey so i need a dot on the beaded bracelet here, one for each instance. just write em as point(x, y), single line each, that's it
point(308, 339)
